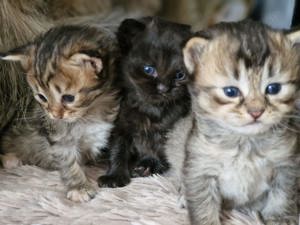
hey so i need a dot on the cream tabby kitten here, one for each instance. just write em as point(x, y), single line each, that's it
point(70, 70)
point(243, 148)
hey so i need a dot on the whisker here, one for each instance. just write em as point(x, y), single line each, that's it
point(288, 128)
point(292, 116)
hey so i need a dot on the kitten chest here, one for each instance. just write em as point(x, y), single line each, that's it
point(245, 178)
point(95, 136)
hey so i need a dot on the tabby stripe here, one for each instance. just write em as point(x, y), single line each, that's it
point(87, 102)
point(87, 90)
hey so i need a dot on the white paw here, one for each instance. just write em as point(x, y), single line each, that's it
point(10, 161)
point(83, 194)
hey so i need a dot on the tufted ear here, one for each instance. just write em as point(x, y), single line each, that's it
point(82, 59)
point(192, 52)
point(21, 54)
point(128, 29)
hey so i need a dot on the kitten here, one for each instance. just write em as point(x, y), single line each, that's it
point(21, 21)
point(70, 70)
point(155, 97)
point(243, 148)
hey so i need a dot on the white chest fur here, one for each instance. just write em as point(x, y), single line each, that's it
point(245, 177)
point(95, 136)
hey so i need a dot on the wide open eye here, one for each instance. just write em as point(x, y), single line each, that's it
point(231, 92)
point(42, 97)
point(68, 98)
point(150, 70)
point(180, 75)
point(273, 89)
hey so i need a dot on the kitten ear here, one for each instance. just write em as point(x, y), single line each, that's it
point(192, 52)
point(294, 37)
point(128, 29)
point(82, 59)
point(21, 54)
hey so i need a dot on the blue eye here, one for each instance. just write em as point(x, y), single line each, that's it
point(150, 70)
point(180, 75)
point(231, 92)
point(273, 89)
point(68, 98)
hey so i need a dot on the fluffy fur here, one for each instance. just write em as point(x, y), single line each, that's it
point(22, 21)
point(243, 149)
point(70, 70)
point(152, 102)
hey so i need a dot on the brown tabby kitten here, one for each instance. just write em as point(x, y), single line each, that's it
point(243, 148)
point(21, 21)
point(70, 70)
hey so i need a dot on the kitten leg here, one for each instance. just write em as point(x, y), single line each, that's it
point(281, 203)
point(80, 189)
point(118, 173)
point(203, 200)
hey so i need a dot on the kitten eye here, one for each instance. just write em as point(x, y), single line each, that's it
point(273, 89)
point(68, 98)
point(42, 98)
point(150, 70)
point(231, 92)
point(180, 75)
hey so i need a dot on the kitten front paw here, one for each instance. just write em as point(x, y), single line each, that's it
point(10, 161)
point(147, 167)
point(82, 194)
point(113, 181)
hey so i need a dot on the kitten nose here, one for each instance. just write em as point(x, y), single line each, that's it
point(162, 88)
point(256, 113)
point(57, 114)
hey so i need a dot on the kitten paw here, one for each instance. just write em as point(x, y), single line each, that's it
point(113, 181)
point(83, 194)
point(10, 161)
point(147, 167)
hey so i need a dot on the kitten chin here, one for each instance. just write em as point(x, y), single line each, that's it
point(76, 103)
point(252, 129)
point(242, 150)
point(155, 96)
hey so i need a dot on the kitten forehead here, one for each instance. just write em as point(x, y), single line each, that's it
point(260, 49)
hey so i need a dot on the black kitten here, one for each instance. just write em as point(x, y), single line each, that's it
point(154, 78)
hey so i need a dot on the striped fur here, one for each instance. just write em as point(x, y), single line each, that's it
point(59, 133)
point(233, 159)
point(21, 21)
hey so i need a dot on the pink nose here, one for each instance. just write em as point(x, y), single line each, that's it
point(256, 113)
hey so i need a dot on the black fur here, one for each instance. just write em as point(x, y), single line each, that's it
point(147, 114)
